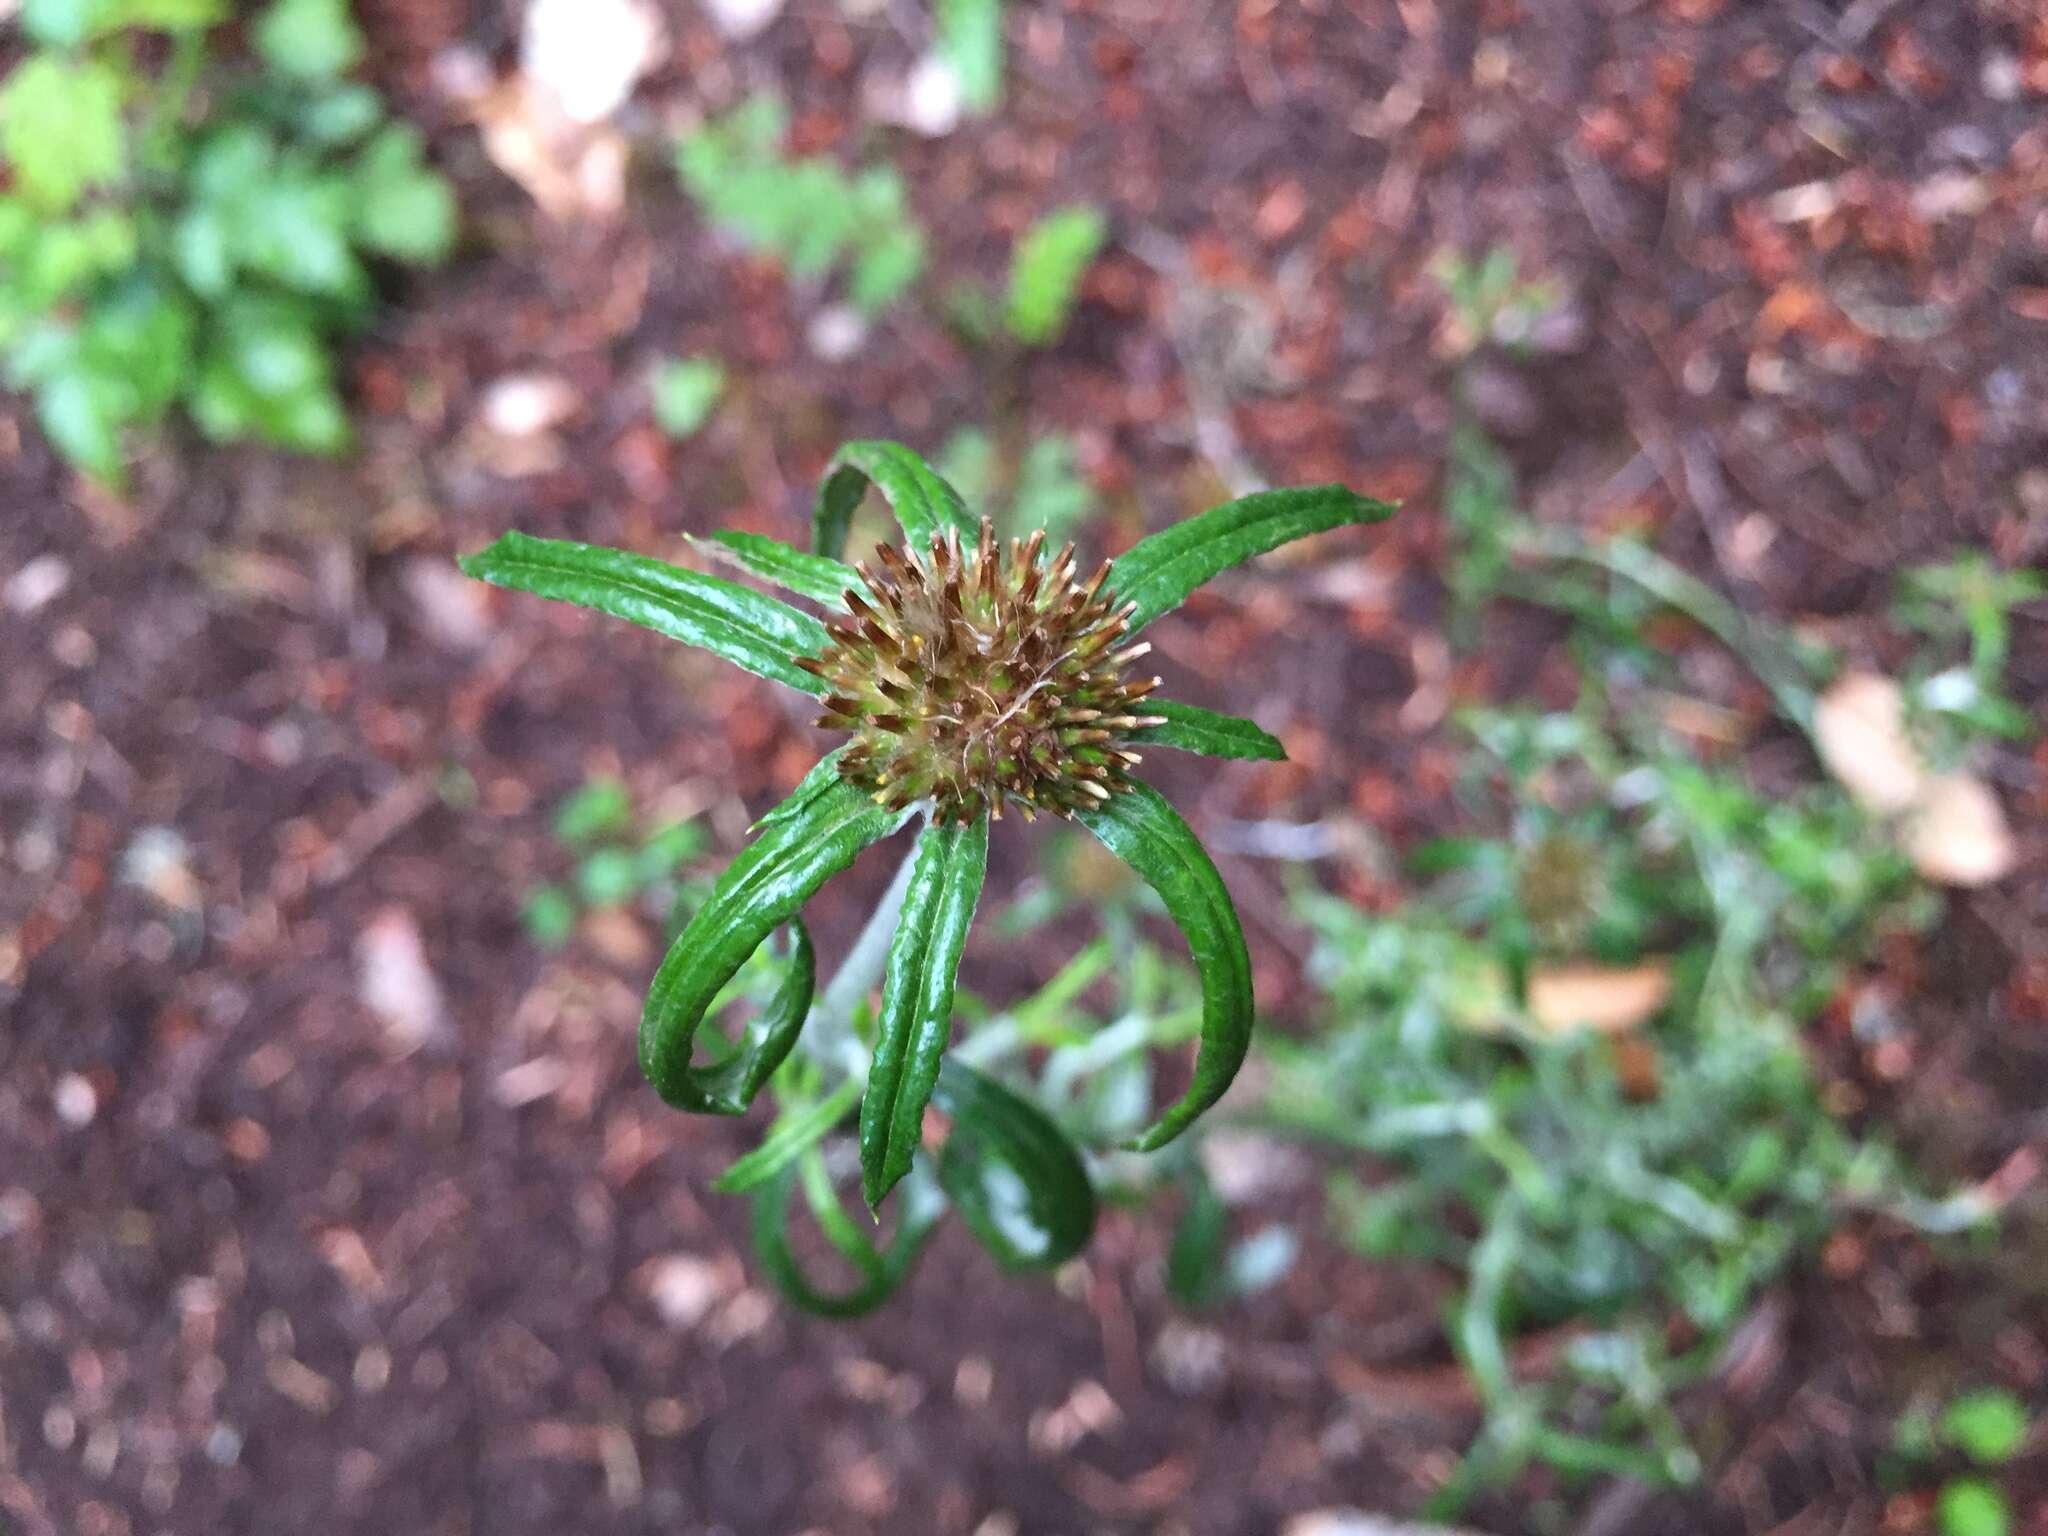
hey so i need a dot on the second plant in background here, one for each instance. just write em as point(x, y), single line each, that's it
point(197, 235)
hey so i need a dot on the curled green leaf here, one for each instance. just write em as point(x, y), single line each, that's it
point(1140, 828)
point(1157, 573)
point(916, 1020)
point(819, 577)
point(877, 1272)
point(919, 496)
point(761, 889)
point(1013, 1175)
point(747, 628)
point(1193, 729)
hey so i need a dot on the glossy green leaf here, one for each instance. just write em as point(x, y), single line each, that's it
point(878, 1272)
point(1158, 573)
point(818, 577)
point(794, 1134)
point(1140, 828)
point(1192, 729)
point(745, 627)
point(824, 773)
point(1013, 1175)
point(916, 1020)
point(730, 1086)
point(921, 499)
point(765, 886)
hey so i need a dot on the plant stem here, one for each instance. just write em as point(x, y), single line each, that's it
point(828, 1036)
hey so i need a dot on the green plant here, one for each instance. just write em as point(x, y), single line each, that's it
point(809, 213)
point(1042, 487)
point(197, 235)
point(617, 863)
point(1964, 602)
point(1489, 298)
point(1980, 1430)
point(973, 677)
point(970, 40)
point(685, 391)
point(1046, 269)
point(1643, 1179)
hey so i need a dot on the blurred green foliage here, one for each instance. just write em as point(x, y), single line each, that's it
point(970, 40)
point(810, 213)
point(1955, 686)
point(1046, 269)
point(1040, 487)
point(616, 861)
point(686, 390)
point(196, 233)
point(1977, 1431)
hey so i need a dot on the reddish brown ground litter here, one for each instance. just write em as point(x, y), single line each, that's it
point(264, 1267)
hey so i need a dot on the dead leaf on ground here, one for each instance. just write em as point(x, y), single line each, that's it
point(1859, 728)
point(1604, 998)
point(1957, 833)
point(1949, 824)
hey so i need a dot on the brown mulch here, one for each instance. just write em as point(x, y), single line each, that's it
point(267, 1263)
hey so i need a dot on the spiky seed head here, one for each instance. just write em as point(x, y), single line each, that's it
point(984, 677)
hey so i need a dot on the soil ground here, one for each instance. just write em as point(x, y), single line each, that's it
point(266, 1272)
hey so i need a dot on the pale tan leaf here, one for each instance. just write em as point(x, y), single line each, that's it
point(1607, 999)
point(1957, 833)
point(1859, 727)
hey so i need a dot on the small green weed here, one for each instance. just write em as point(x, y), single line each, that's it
point(197, 235)
point(685, 392)
point(1976, 1432)
point(618, 862)
point(811, 214)
point(1042, 487)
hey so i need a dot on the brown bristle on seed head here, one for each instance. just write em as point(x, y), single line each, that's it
point(967, 673)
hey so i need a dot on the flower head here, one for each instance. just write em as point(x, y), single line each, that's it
point(975, 678)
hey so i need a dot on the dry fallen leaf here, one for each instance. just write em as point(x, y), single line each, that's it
point(572, 170)
point(396, 983)
point(589, 54)
point(1957, 833)
point(1949, 824)
point(1607, 999)
point(1859, 727)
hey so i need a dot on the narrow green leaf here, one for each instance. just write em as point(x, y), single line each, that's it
point(1140, 828)
point(1193, 729)
point(820, 578)
point(1015, 1178)
point(823, 775)
point(1158, 573)
point(770, 1034)
point(916, 1020)
point(879, 1272)
point(745, 627)
point(765, 886)
point(792, 1136)
point(921, 499)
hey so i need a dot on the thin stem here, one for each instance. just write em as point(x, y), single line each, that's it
point(828, 1036)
